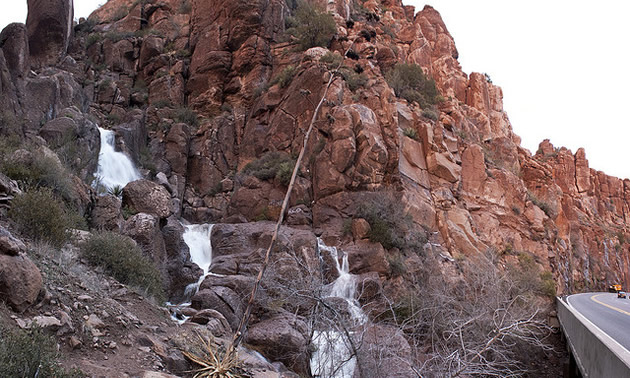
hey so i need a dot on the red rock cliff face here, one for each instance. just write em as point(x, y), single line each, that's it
point(465, 177)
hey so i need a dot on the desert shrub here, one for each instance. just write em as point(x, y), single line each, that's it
point(311, 26)
point(397, 266)
point(431, 113)
point(331, 59)
point(390, 225)
point(285, 170)
point(92, 39)
point(40, 171)
point(409, 82)
point(353, 79)
point(184, 7)
point(39, 214)
point(117, 36)
point(411, 133)
point(120, 257)
point(187, 116)
point(352, 55)
point(547, 284)
point(285, 77)
point(272, 165)
point(367, 34)
point(544, 206)
point(30, 353)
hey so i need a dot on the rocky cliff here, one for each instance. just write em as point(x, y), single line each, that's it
point(212, 100)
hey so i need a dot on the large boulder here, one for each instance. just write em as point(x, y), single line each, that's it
point(283, 337)
point(107, 214)
point(14, 44)
point(9, 245)
point(145, 230)
point(148, 197)
point(49, 27)
point(20, 282)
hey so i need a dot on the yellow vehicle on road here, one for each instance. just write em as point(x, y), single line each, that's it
point(614, 288)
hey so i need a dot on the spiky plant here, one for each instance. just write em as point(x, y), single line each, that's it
point(115, 191)
point(212, 364)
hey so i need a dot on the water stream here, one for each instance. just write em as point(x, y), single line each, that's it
point(332, 357)
point(115, 169)
point(197, 238)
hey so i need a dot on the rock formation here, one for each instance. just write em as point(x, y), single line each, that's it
point(211, 99)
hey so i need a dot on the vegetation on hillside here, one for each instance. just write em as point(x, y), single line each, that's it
point(310, 26)
point(409, 82)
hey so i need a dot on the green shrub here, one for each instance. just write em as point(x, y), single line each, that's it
point(431, 113)
point(285, 171)
point(120, 257)
point(92, 39)
point(544, 206)
point(397, 266)
point(185, 7)
point(390, 225)
point(353, 79)
point(409, 82)
point(332, 60)
point(311, 27)
point(411, 133)
point(285, 77)
point(187, 116)
point(39, 214)
point(547, 284)
point(30, 354)
point(40, 171)
point(272, 165)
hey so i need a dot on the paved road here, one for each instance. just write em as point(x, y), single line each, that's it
point(607, 312)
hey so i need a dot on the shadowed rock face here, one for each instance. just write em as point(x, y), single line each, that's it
point(49, 27)
point(14, 44)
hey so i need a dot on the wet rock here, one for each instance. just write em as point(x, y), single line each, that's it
point(20, 282)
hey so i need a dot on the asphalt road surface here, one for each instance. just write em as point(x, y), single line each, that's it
point(607, 312)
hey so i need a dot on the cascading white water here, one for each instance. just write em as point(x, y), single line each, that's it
point(114, 168)
point(332, 357)
point(197, 238)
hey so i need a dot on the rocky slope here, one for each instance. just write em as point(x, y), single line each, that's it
point(192, 92)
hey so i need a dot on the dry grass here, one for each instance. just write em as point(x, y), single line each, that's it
point(212, 363)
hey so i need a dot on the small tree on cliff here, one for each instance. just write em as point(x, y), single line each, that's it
point(409, 82)
point(311, 27)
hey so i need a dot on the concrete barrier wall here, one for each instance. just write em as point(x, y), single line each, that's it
point(596, 353)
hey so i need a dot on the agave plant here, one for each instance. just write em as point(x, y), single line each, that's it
point(115, 190)
point(211, 363)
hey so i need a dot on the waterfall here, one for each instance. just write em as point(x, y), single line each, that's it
point(114, 168)
point(197, 238)
point(332, 357)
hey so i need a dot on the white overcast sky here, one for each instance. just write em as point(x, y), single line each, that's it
point(562, 64)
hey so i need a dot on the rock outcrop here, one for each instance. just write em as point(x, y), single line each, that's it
point(49, 28)
point(201, 92)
